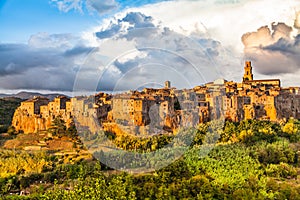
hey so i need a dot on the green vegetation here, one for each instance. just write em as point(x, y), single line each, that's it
point(16, 162)
point(58, 128)
point(7, 109)
point(251, 160)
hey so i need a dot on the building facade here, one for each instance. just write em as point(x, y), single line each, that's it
point(167, 108)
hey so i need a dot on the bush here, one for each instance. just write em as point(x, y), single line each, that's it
point(3, 128)
point(11, 130)
point(282, 170)
point(274, 153)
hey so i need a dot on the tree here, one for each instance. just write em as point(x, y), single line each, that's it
point(290, 127)
point(72, 131)
point(58, 127)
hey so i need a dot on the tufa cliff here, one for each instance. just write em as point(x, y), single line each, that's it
point(156, 111)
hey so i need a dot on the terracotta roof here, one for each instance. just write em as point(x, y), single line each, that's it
point(35, 99)
point(266, 80)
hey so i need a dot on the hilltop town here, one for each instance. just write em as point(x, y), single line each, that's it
point(163, 110)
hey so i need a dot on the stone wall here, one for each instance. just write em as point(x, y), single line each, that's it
point(28, 121)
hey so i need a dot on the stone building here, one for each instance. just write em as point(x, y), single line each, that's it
point(140, 108)
point(37, 114)
point(32, 106)
point(166, 108)
point(27, 116)
point(260, 99)
point(248, 75)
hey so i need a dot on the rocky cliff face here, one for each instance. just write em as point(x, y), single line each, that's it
point(26, 123)
point(87, 121)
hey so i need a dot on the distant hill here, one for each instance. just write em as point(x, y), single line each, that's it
point(3, 95)
point(30, 95)
point(8, 106)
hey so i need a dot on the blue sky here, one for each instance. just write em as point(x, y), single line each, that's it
point(62, 45)
point(21, 18)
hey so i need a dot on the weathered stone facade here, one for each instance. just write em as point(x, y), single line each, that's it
point(38, 113)
point(167, 108)
point(140, 108)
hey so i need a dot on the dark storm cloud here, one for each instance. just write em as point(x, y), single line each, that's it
point(138, 20)
point(156, 54)
point(125, 66)
point(285, 46)
point(18, 58)
point(78, 50)
point(34, 66)
point(42, 78)
point(111, 31)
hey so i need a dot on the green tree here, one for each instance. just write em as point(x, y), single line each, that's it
point(72, 131)
point(58, 127)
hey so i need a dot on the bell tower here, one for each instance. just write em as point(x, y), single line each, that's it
point(167, 84)
point(248, 76)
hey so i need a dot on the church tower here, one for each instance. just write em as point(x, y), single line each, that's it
point(248, 76)
point(167, 84)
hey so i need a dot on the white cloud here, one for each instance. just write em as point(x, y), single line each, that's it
point(137, 43)
point(297, 20)
point(46, 40)
point(194, 40)
point(100, 6)
point(47, 62)
point(67, 5)
point(226, 23)
point(274, 49)
point(223, 22)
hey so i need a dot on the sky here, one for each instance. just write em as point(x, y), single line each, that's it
point(116, 45)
